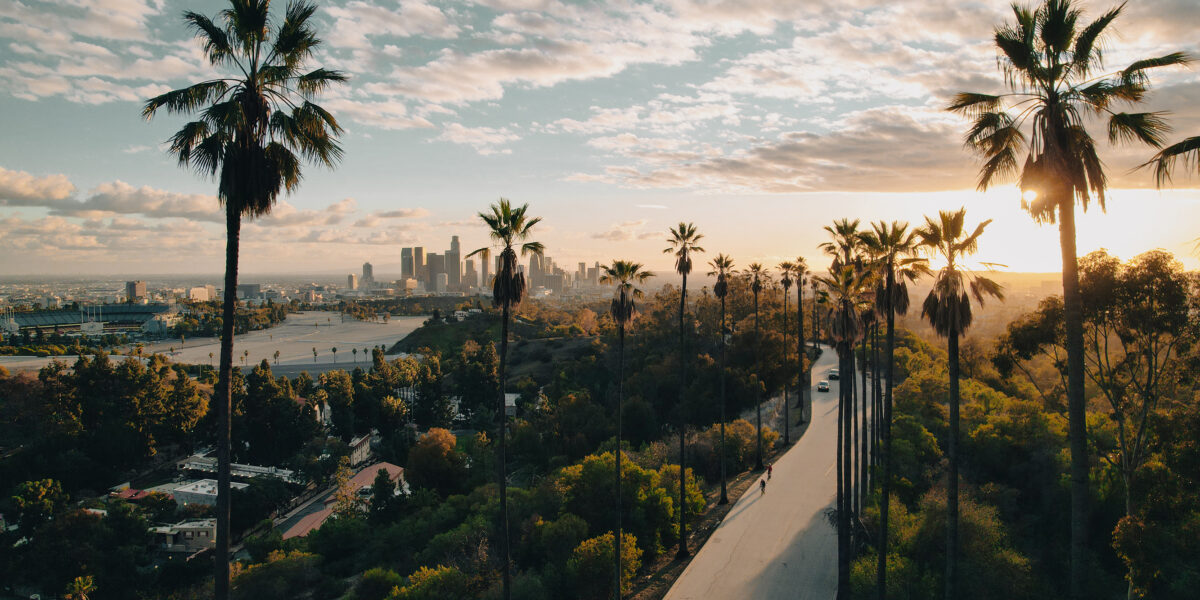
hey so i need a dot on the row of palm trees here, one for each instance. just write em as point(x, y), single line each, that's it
point(255, 127)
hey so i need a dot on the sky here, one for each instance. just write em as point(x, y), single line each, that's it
point(759, 121)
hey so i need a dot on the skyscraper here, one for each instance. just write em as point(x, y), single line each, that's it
point(485, 265)
point(419, 272)
point(368, 276)
point(406, 263)
point(453, 265)
point(352, 281)
point(135, 290)
point(535, 270)
point(470, 277)
point(436, 265)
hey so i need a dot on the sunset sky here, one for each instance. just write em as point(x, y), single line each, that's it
point(759, 121)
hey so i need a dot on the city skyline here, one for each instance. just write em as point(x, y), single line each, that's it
point(614, 124)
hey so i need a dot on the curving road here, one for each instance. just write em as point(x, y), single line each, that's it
point(778, 544)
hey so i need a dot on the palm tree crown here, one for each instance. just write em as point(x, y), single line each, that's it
point(1052, 67)
point(253, 125)
point(509, 227)
point(624, 274)
point(948, 305)
point(683, 242)
point(722, 269)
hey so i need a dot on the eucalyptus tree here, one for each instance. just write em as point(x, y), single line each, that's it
point(948, 310)
point(1053, 65)
point(804, 381)
point(623, 274)
point(722, 269)
point(252, 130)
point(898, 251)
point(759, 277)
point(845, 285)
point(509, 227)
point(785, 279)
point(682, 243)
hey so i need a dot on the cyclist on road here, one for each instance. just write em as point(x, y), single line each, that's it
point(762, 486)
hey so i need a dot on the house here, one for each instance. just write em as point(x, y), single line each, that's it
point(361, 485)
point(186, 536)
point(510, 404)
point(360, 449)
point(130, 494)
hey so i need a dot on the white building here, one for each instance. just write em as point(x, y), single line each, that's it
point(186, 536)
point(203, 491)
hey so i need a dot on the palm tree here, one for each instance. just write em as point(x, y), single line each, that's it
point(722, 268)
point(896, 248)
point(252, 130)
point(844, 248)
point(758, 278)
point(846, 285)
point(314, 354)
point(277, 358)
point(785, 279)
point(81, 588)
point(354, 353)
point(334, 351)
point(508, 226)
point(818, 300)
point(800, 270)
point(624, 274)
point(683, 243)
point(948, 309)
point(210, 357)
point(1054, 72)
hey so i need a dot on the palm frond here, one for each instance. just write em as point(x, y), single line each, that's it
point(972, 104)
point(1164, 161)
point(1148, 128)
point(317, 80)
point(186, 100)
point(1089, 44)
point(216, 42)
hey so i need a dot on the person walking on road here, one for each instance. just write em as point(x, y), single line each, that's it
point(770, 467)
point(762, 486)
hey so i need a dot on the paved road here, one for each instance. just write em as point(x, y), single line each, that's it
point(778, 544)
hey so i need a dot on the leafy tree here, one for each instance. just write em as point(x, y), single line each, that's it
point(37, 502)
point(434, 584)
point(435, 463)
point(508, 226)
point(284, 575)
point(1054, 69)
point(377, 584)
point(590, 573)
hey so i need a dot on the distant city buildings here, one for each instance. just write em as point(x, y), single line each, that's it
point(135, 291)
point(368, 275)
point(352, 282)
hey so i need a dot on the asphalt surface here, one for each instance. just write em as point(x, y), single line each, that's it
point(778, 544)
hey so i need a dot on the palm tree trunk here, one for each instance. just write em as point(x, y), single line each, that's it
point(724, 492)
point(501, 467)
point(855, 459)
point(803, 380)
point(886, 491)
point(758, 462)
point(683, 549)
point(224, 400)
point(952, 479)
point(1076, 403)
point(877, 392)
point(865, 436)
point(620, 394)
point(843, 486)
point(787, 422)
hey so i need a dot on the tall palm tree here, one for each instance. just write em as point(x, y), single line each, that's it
point(722, 269)
point(253, 127)
point(758, 278)
point(818, 301)
point(683, 243)
point(846, 285)
point(896, 248)
point(1055, 73)
point(948, 310)
point(804, 381)
point(510, 228)
point(785, 279)
point(624, 274)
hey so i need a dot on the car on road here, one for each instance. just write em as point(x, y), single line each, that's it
point(833, 374)
point(822, 386)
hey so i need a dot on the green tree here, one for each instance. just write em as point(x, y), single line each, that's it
point(508, 226)
point(722, 267)
point(377, 584)
point(252, 131)
point(37, 502)
point(434, 462)
point(1054, 69)
point(896, 248)
point(590, 573)
point(948, 310)
point(434, 584)
point(684, 242)
point(622, 274)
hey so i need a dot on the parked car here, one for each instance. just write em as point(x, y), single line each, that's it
point(822, 386)
point(833, 374)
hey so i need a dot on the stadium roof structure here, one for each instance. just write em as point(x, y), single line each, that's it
point(130, 314)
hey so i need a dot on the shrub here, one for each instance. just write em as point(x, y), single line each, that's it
point(591, 565)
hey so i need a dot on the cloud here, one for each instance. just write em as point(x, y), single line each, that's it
point(357, 21)
point(403, 213)
point(483, 139)
point(18, 188)
point(624, 232)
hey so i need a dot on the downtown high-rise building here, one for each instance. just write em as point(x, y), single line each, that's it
point(352, 282)
point(535, 270)
point(368, 275)
point(419, 271)
point(453, 259)
point(406, 264)
point(485, 264)
point(470, 278)
point(435, 265)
